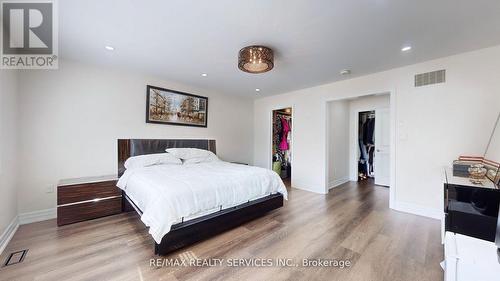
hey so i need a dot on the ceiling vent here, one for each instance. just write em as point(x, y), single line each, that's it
point(430, 78)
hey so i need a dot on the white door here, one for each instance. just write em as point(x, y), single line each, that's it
point(381, 166)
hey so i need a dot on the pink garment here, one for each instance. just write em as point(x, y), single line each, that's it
point(285, 128)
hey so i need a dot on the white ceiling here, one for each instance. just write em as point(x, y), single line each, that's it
point(313, 40)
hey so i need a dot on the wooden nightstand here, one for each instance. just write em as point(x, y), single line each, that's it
point(87, 198)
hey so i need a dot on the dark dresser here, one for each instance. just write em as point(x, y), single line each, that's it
point(87, 198)
point(471, 209)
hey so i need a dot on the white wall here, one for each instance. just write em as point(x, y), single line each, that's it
point(71, 118)
point(8, 144)
point(366, 103)
point(434, 124)
point(338, 142)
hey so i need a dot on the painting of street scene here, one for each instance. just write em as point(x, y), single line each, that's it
point(176, 108)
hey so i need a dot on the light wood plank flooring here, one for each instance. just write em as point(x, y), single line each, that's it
point(352, 222)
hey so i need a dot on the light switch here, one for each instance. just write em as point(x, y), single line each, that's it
point(49, 189)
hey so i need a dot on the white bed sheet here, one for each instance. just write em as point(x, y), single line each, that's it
point(168, 193)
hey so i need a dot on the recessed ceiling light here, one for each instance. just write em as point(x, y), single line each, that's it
point(345, 72)
point(109, 48)
point(405, 48)
point(204, 74)
point(257, 90)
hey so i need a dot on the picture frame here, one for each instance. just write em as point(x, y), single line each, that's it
point(492, 171)
point(170, 107)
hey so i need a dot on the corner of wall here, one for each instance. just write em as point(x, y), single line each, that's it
point(9, 94)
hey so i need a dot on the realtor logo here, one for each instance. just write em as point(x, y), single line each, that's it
point(29, 35)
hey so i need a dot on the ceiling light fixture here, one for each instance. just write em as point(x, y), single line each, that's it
point(255, 59)
point(257, 90)
point(109, 48)
point(405, 48)
point(204, 74)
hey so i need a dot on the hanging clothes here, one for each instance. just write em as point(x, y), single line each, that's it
point(363, 159)
point(284, 139)
point(366, 138)
point(368, 130)
point(371, 151)
point(277, 132)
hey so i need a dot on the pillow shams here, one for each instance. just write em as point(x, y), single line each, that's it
point(188, 153)
point(151, 159)
point(209, 158)
point(193, 155)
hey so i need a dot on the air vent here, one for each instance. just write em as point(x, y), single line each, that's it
point(16, 257)
point(430, 78)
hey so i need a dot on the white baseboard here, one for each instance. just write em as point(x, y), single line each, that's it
point(21, 219)
point(306, 186)
point(337, 182)
point(8, 233)
point(418, 210)
point(37, 216)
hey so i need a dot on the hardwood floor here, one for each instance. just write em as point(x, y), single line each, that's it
point(353, 222)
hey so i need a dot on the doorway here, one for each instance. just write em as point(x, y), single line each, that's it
point(374, 146)
point(366, 140)
point(359, 140)
point(281, 153)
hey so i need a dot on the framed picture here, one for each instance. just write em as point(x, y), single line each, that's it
point(492, 170)
point(164, 106)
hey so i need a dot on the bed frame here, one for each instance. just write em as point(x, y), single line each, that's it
point(195, 230)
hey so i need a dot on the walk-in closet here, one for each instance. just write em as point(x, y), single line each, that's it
point(282, 142)
point(366, 142)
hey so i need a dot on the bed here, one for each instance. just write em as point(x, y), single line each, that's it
point(184, 204)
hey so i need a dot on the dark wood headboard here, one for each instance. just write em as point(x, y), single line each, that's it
point(134, 147)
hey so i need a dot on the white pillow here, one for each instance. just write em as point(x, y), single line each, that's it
point(150, 160)
point(188, 153)
point(209, 158)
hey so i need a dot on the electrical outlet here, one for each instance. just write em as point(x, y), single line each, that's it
point(49, 189)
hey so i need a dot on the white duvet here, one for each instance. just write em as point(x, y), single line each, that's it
point(166, 194)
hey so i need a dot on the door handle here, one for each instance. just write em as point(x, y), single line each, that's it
point(378, 150)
